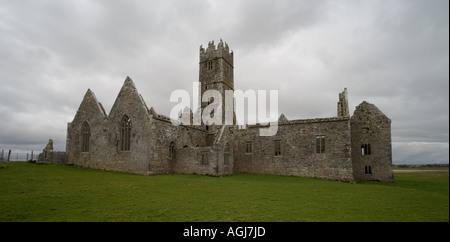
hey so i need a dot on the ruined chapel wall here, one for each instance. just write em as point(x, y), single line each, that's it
point(298, 156)
point(182, 136)
point(137, 158)
point(92, 112)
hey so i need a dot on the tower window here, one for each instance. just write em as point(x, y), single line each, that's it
point(365, 149)
point(320, 144)
point(209, 65)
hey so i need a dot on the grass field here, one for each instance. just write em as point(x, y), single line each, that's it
point(30, 192)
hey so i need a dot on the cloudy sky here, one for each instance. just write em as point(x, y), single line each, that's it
point(394, 54)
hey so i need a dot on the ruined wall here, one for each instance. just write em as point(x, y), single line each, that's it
point(164, 133)
point(191, 153)
point(198, 160)
point(92, 113)
point(297, 154)
point(371, 144)
point(136, 159)
point(48, 155)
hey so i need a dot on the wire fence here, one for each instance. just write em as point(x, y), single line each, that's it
point(11, 155)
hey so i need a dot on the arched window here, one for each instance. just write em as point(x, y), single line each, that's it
point(226, 154)
point(85, 135)
point(125, 133)
point(172, 150)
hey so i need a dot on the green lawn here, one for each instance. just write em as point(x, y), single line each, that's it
point(30, 192)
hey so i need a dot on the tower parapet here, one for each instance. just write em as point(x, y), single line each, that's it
point(211, 52)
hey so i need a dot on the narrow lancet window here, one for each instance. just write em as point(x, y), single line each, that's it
point(226, 154)
point(277, 147)
point(125, 133)
point(209, 65)
point(85, 136)
point(248, 147)
point(320, 144)
point(172, 150)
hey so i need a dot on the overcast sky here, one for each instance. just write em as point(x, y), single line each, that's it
point(394, 54)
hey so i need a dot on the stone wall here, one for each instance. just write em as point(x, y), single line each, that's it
point(92, 113)
point(297, 153)
point(129, 103)
point(48, 155)
point(371, 144)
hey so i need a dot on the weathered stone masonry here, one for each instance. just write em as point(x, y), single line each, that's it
point(134, 138)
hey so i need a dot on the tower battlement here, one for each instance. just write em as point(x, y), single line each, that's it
point(211, 52)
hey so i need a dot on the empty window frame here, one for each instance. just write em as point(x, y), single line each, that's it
point(172, 150)
point(277, 147)
point(226, 154)
point(320, 144)
point(365, 149)
point(85, 136)
point(125, 133)
point(204, 160)
point(368, 170)
point(248, 147)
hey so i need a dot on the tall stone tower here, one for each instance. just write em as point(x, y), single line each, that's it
point(216, 73)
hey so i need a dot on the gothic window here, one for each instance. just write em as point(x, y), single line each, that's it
point(85, 135)
point(368, 170)
point(248, 147)
point(125, 133)
point(226, 154)
point(277, 147)
point(172, 150)
point(365, 149)
point(320, 144)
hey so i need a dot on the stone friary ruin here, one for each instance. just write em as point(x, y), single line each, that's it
point(134, 138)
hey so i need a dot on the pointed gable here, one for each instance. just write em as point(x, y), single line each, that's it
point(129, 102)
point(90, 107)
point(129, 99)
point(282, 118)
point(365, 110)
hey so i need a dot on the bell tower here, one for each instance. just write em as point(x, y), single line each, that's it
point(216, 72)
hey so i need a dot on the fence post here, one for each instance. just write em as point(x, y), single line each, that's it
point(9, 155)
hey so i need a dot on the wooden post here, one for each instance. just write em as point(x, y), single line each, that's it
point(9, 155)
